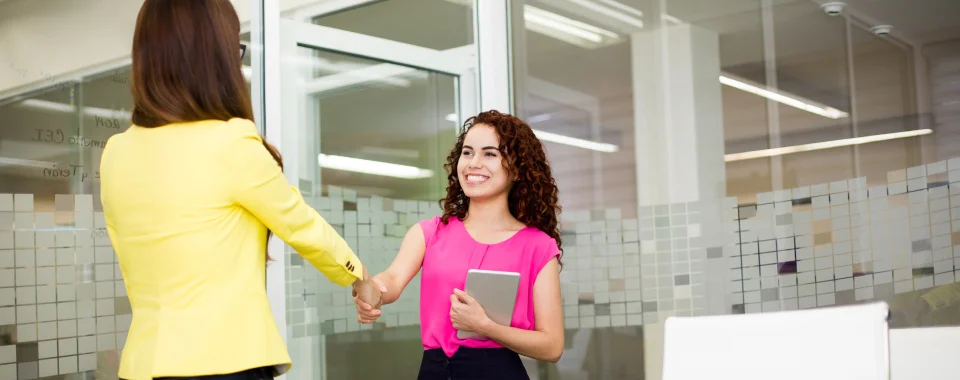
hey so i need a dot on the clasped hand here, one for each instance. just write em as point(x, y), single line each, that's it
point(368, 296)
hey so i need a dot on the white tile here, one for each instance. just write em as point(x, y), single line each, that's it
point(7, 278)
point(87, 344)
point(46, 258)
point(7, 258)
point(23, 202)
point(105, 325)
point(66, 256)
point(8, 371)
point(47, 349)
point(44, 220)
point(8, 354)
point(67, 329)
point(7, 297)
point(6, 240)
point(105, 289)
point(6, 221)
point(6, 202)
point(86, 291)
point(47, 331)
point(87, 362)
point(105, 307)
point(67, 346)
point(66, 292)
point(25, 258)
point(86, 326)
point(26, 276)
point(108, 342)
point(83, 202)
point(8, 315)
point(26, 295)
point(47, 312)
point(24, 239)
point(66, 274)
point(46, 276)
point(68, 365)
point(48, 367)
point(46, 294)
point(27, 333)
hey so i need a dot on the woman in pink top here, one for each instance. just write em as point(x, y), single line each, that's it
point(500, 213)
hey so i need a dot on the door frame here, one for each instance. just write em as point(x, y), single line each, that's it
point(283, 40)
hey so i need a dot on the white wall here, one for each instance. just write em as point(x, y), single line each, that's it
point(44, 42)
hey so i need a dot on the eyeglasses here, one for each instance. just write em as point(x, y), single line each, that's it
point(243, 50)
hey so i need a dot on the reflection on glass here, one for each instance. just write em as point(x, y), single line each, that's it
point(373, 137)
point(382, 127)
point(434, 24)
point(66, 315)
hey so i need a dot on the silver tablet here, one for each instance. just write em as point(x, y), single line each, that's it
point(496, 292)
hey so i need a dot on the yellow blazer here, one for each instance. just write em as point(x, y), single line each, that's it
point(187, 208)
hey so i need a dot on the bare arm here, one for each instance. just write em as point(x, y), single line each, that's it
point(393, 280)
point(546, 342)
point(405, 266)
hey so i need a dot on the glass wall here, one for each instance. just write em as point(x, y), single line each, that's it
point(373, 128)
point(723, 157)
point(64, 91)
point(741, 156)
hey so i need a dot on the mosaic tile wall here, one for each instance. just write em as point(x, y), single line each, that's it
point(606, 281)
point(63, 305)
point(64, 311)
point(822, 245)
point(842, 242)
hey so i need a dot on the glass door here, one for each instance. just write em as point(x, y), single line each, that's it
point(366, 126)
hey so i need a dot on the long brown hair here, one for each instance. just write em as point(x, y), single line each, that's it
point(187, 65)
point(534, 198)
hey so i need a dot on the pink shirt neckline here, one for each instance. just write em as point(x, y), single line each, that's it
point(475, 241)
point(449, 251)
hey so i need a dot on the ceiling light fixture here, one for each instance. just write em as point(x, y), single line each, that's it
point(573, 141)
point(47, 105)
point(619, 13)
point(790, 100)
point(359, 165)
point(823, 145)
point(7, 161)
point(565, 29)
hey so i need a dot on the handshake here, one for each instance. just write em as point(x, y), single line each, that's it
point(368, 295)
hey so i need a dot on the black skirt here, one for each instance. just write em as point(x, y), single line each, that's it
point(472, 363)
point(264, 373)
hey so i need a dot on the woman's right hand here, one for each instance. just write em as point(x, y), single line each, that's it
point(368, 300)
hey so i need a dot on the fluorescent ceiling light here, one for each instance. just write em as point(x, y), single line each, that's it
point(7, 161)
point(790, 100)
point(823, 145)
point(565, 29)
point(619, 11)
point(573, 141)
point(384, 72)
point(47, 105)
point(539, 118)
point(669, 18)
point(372, 167)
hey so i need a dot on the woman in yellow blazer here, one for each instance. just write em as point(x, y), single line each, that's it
point(189, 193)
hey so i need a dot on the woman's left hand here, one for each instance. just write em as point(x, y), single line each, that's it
point(466, 313)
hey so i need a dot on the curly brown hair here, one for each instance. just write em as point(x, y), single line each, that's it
point(534, 198)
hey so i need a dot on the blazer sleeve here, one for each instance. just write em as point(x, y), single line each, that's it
point(257, 184)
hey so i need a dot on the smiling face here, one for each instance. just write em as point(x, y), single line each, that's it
point(480, 167)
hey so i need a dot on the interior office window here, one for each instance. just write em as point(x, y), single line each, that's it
point(800, 229)
point(64, 91)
